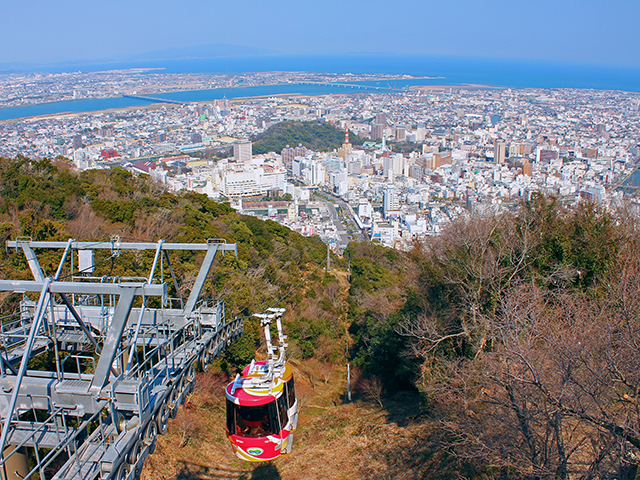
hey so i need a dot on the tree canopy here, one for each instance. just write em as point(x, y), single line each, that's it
point(317, 136)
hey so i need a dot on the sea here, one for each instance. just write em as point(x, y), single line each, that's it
point(450, 71)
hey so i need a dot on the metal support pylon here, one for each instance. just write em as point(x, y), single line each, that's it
point(144, 359)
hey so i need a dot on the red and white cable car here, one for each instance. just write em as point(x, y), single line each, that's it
point(262, 411)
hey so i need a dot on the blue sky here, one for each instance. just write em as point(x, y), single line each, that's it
point(582, 31)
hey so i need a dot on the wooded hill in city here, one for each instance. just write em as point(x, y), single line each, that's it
point(507, 347)
point(316, 136)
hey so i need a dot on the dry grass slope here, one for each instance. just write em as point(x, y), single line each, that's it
point(335, 440)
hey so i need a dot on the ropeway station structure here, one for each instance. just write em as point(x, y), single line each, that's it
point(90, 373)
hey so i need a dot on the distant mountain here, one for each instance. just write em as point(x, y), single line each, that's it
point(212, 50)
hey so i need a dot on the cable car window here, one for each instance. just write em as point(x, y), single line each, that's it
point(291, 394)
point(253, 421)
point(231, 423)
point(275, 421)
point(283, 411)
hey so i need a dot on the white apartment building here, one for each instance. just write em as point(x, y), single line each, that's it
point(249, 182)
point(242, 151)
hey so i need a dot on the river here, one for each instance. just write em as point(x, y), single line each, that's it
point(98, 104)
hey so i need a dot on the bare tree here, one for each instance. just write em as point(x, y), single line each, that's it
point(474, 262)
point(557, 395)
point(528, 340)
point(373, 389)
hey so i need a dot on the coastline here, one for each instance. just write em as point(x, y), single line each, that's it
point(211, 94)
point(469, 77)
point(36, 118)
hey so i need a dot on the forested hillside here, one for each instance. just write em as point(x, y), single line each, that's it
point(505, 348)
point(47, 200)
point(521, 332)
point(317, 136)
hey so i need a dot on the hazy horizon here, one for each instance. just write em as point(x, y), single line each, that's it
point(70, 31)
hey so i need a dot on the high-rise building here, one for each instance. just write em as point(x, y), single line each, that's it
point(242, 151)
point(288, 154)
point(296, 166)
point(381, 118)
point(398, 164)
point(301, 151)
point(354, 167)
point(390, 201)
point(514, 150)
point(401, 134)
point(315, 174)
point(415, 171)
point(77, 142)
point(387, 166)
point(499, 151)
point(377, 130)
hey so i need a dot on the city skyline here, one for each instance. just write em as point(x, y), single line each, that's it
point(421, 158)
point(587, 32)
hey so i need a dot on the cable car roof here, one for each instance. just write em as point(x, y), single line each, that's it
point(253, 398)
point(256, 387)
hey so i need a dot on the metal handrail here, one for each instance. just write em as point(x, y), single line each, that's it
point(58, 412)
point(57, 451)
point(77, 358)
